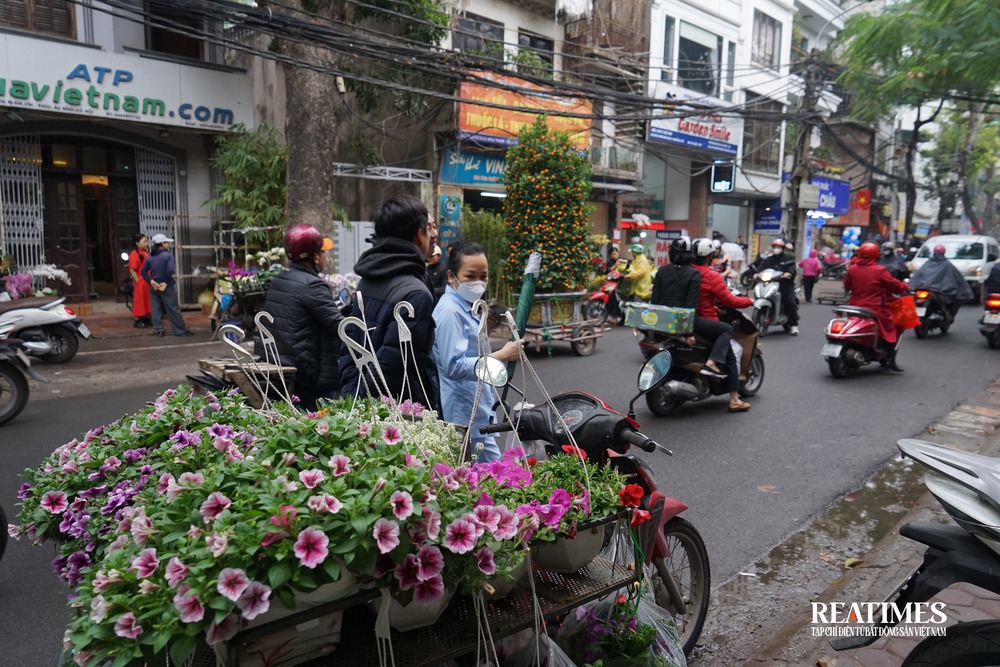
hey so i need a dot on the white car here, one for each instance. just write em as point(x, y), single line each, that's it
point(974, 256)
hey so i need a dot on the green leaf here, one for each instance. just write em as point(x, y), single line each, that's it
point(332, 568)
point(180, 648)
point(279, 574)
point(287, 598)
point(345, 547)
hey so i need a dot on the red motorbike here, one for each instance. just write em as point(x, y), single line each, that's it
point(676, 561)
point(605, 301)
point(852, 341)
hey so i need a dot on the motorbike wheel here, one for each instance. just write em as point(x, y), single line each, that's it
point(755, 376)
point(13, 392)
point(921, 331)
point(584, 348)
point(944, 328)
point(972, 644)
point(687, 563)
point(839, 368)
point(3, 533)
point(662, 403)
point(760, 321)
point(596, 310)
point(993, 340)
point(64, 345)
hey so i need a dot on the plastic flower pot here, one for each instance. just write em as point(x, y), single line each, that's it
point(502, 586)
point(414, 615)
point(566, 555)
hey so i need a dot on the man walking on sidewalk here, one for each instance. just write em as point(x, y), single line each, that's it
point(158, 271)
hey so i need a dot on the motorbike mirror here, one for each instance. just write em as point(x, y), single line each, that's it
point(491, 371)
point(124, 256)
point(654, 372)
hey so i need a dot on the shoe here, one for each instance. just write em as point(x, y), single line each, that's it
point(186, 333)
point(741, 406)
point(157, 332)
point(794, 331)
point(894, 367)
point(708, 372)
point(139, 324)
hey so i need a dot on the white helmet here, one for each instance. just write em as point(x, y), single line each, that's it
point(717, 244)
point(703, 247)
point(777, 243)
point(789, 246)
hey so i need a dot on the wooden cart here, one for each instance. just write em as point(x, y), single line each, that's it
point(230, 371)
point(559, 317)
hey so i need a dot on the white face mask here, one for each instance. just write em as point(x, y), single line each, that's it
point(777, 251)
point(472, 290)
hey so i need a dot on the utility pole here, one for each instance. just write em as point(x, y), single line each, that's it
point(813, 77)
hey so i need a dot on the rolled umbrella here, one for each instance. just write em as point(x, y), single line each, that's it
point(531, 271)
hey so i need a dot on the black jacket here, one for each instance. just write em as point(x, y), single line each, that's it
point(305, 326)
point(677, 286)
point(896, 266)
point(992, 284)
point(785, 262)
point(391, 271)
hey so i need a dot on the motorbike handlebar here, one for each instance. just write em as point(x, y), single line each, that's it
point(502, 427)
point(639, 440)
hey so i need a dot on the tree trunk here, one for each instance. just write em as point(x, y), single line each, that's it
point(962, 160)
point(911, 152)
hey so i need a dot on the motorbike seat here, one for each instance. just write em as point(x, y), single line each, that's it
point(855, 310)
point(30, 302)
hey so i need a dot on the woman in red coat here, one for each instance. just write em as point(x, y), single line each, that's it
point(141, 309)
point(870, 285)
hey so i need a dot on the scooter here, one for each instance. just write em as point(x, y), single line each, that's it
point(47, 327)
point(989, 323)
point(852, 341)
point(685, 382)
point(835, 270)
point(934, 312)
point(767, 302)
point(14, 366)
point(676, 560)
point(967, 486)
point(606, 301)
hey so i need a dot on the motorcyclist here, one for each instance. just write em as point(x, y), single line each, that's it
point(870, 285)
point(784, 262)
point(640, 274)
point(940, 276)
point(891, 261)
point(720, 260)
point(713, 292)
point(992, 284)
point(677, 284)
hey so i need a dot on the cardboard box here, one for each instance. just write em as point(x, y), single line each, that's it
point(660, 318)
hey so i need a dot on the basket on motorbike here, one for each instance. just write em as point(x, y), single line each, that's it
point(663, 319)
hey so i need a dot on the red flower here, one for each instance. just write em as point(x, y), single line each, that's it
point(575, 451)
point(639, 517)
point(631, 495)
point(532, 461)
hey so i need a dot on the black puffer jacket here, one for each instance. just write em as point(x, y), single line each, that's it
point(394, 270)
point(305, 326)
point(677, 286)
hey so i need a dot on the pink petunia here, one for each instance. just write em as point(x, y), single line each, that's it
point(391, 435)
point(488, 516)
point(311, 547)
point(217, 544)
point(324, 504)
point(176, 571)
point(127, 626)
point(255, 600)
point(103, 581)
point(99, 608)
point(364, 430)
point(433, 518)
point(54, 501)
point(191, 478)
point(311, 477)
point(428, 591)
point(340, 465)
point(507, 525)
point(430, 562)
point(224, 631)
point(214, 505)
point(232, 583)
point(142, 528)
point(322, 428)
point(386, 534)
point(460, 536)
point(485, 561)
point(474, 520)
point(166, 479)
point(407, 573)
point(413, 462)
point(145, 563)
point(189, 606)
point(402, 504)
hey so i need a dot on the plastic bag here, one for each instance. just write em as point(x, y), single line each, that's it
point(904, 312)
point(549, 653)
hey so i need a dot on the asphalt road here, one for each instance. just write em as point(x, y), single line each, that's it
point(750, 479)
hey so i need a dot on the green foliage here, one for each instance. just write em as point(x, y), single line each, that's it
point(489, 230)
point(527, 61)
point(421, 20)
point(546, 209)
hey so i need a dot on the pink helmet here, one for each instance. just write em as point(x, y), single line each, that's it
point(939, 249)
point(303, 241)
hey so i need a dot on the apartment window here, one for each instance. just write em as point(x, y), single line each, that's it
point(53, 17)
point(730, 72)
point(477, 34)
point(766, 40)
point(542, 47)
point(762, 135)
point(698, 59)
point(667, 71)
point(172, 31)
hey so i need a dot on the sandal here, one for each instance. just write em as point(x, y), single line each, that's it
point(741, 406)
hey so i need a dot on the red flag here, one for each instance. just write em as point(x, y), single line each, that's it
point(863, 199)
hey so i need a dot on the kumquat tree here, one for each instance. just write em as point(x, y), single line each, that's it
point(546, 209)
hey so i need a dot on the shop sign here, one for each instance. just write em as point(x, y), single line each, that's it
point(66, 78)
point(449, 220)
point(834, 195)
point(662, 248)
point(767, 216)
point(641, 203)
point(688, 123)
point(460, 167)
point(500, 125)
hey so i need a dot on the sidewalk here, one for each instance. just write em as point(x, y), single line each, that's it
point(111, 320)
point(971, 426)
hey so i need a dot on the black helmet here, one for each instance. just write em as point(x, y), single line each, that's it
point(682, 244)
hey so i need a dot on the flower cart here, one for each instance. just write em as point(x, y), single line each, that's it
point(559, 316)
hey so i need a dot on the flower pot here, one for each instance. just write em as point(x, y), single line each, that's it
point(502, 586)
point(569, 555)
point(414, 615)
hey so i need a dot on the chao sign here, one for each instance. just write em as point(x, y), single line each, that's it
point(500, 126)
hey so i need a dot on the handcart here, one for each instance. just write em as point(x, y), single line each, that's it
point(829, 290)
point(559, 316)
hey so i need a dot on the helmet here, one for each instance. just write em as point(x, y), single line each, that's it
point(789, 246)
point(868, 251)
point(636, 249)
point(939, 249)
point(777, 243)
point(302, 241)
point(717, 244)
point(683, 244)
point(888, 246)
point(703, 247)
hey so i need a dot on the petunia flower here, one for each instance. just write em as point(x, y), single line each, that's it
point(217, 544)
point(99, 608)
point(364, 430)
point(484, 558)
point(430, 562)
point(145, 563)
point(176, 571)
point(392, 434)
point(312, 477)
point(488, 516)
point(189, 607)
point(255, 600)
point(214, 505)
point(407, 572)
point(386, 534)
point(433, 518)
point(54, 501)
point(224, 631)
point(428, 591)
point(402, 504)
point(506, 524)
point(324, 504)
point(127, 626)
point(311, 547)
point(191, 478)
point(639, 517)
point(631, 495)
point(340, 465)
point(232, 582)
point(460, 536)
point(322, 428)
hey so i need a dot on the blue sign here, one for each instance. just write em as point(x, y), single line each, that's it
point(460, 167)
point(767, 216)
point(669, 234)
point(834, 195)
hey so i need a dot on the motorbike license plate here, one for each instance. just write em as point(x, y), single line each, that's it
point(991, 318)
point(84, 331)
point(830, 350)
point(921, 312)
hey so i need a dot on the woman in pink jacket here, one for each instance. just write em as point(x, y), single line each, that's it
point(811, 270)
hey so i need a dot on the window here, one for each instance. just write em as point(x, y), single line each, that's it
point(538, 46)
point(54, 17)
point(761, 134)
point(162, 37)
point(477, 34)
point(698, 57)
point(766, 40)
point(666, 72)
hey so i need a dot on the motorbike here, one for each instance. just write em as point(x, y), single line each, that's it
point(676, 563)
point(606, 301)
point(685, 381)
point(852, 341)
point(989, 323)
point(14, 366)
point(934, 312)
point(836, 270)
point(48, 329)
point(768, 311)
point(965, 484)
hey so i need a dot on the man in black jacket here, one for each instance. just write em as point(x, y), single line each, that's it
point(785, 263)
point(306, 317)
point(394, 269)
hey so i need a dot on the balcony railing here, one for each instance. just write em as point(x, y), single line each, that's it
point(615, 160)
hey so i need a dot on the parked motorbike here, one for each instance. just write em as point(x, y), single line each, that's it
point(989, 323)
point(14, 366)
point(966, 486)
point(836, 270)
point(676, 563)
point(606, 301)
point(852, 341)
point(684, 380)
point(47, 327)
point(934, 312)
point(766, 294)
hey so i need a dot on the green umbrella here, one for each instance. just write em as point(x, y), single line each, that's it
point(531, 271)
